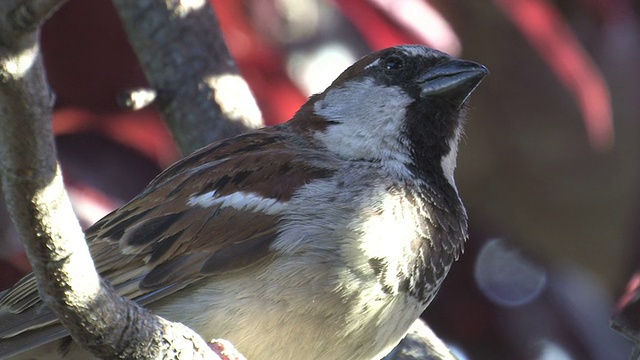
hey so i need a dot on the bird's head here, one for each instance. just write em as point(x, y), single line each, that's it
point(402, 106)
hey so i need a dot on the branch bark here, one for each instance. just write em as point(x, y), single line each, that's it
point(182, 52)
point(39, 207)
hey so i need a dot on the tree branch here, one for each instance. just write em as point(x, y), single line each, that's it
point(38, 205)
point(182, 52)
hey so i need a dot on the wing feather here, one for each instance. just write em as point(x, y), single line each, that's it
point(161, 242)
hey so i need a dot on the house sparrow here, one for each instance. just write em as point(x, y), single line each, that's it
point(321, 238)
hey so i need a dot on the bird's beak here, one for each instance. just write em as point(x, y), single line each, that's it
point(455, 78)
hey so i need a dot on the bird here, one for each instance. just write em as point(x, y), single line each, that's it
point(324, 237)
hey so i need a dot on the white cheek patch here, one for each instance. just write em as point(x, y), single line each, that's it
point(239, 200)
point(368, 121)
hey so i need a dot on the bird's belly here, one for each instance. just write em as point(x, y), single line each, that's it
point(300, 317)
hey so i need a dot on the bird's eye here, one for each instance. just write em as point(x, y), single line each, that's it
point(393, 63)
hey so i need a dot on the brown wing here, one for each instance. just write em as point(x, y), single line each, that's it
point(187, 224)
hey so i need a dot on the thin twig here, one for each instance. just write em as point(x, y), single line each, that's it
point(182, 52)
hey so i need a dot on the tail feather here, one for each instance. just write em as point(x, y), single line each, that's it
point(16, 345)
point(29, 328)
